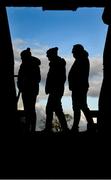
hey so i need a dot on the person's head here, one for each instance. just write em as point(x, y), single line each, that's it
point(77, 50)
point(25, 54)
point(52, 53)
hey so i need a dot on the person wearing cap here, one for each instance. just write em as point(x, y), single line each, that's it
point(28, 84)
point(78, 84)
point(55, 81)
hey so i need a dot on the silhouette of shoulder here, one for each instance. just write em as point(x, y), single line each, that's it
point(36, 60)
point(61, 61)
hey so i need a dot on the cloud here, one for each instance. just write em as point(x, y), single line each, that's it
point(41, 120)
point(96, 68)
point(95, 77)
point(39, 50)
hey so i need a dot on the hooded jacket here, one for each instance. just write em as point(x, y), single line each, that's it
point(29, 75)
point(56, 76)
point(79, 73)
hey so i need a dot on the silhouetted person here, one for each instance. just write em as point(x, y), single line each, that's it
point(28, 84)
point(78, 84)
point(56, 78)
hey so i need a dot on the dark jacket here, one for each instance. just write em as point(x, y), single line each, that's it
point(29, 75)
point(79, 73)
point(56, 76)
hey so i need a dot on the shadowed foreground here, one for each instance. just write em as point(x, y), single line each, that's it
point(56, 156)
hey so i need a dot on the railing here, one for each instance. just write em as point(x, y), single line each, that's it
point(94, 113)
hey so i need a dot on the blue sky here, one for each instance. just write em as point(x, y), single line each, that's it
point(59, 28)
point(44, 29)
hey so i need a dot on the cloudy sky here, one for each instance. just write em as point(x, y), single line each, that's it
point(41, 30)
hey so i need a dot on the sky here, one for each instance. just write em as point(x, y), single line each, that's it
point(41, 30)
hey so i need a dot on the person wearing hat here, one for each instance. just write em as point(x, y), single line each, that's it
point(78, 84)
point(28, 84)
point(55, 81)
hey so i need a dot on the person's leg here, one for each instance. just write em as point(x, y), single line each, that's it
point(90, 124)
point(33, 112)
point(49, 113)
point(26, 102)
point(77, 112)
point(29, 100)
point(59, 112)
point(87, 114)
point(86, 111)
